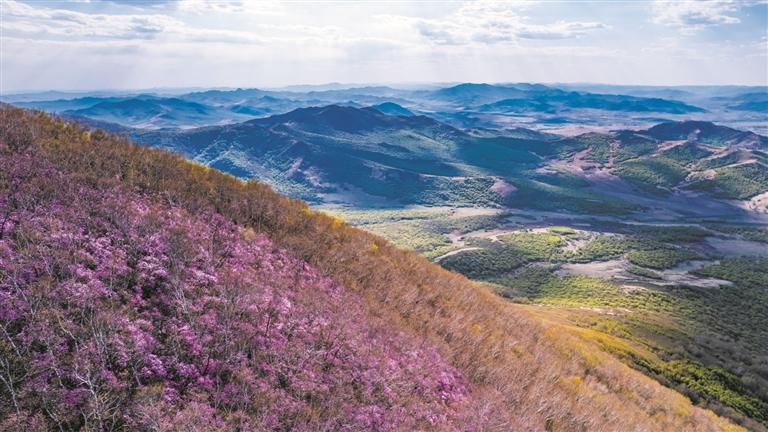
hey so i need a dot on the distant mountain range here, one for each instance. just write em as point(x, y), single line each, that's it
point(460, 144)
point(554, 102)
point(540, 98)
point(364, 157)
point(466, 105)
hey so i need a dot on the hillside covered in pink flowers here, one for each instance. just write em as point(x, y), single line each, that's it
point(142, 292)
point(125, 311)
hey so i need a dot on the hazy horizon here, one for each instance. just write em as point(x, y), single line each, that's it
point(352, 85)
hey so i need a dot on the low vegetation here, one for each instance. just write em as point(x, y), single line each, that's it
point(737, 182)
point(601, 248)
point(414, 236)
point(687, 153)
point(747, 271)
point(551, 197)
point(644, 272)
point(634, 145)
point(673, 234)
point(651, 174)
point(751, 233)
point(485, 263)
point(680, 337)
point(660, 259)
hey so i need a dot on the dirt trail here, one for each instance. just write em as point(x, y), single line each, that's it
point(454, 252)
point(667, 145)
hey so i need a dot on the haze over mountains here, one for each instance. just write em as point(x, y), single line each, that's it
point(463, 105)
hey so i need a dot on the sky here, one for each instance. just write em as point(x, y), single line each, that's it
point(143, 44)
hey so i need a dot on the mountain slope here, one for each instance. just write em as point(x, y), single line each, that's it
point(521, 374)
point(351, 155)
point(322, 150)
point(158, 318)
point(690, 155)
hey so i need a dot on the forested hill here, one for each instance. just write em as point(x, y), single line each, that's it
point(139, 291)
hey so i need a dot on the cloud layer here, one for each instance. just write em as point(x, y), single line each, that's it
point(149, 43)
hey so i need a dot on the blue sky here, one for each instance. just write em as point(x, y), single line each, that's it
point(84, 45)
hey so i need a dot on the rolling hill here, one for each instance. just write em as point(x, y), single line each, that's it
point(705, 133)
point(329, 149)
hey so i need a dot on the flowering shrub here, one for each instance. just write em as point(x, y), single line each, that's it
point(122, 312)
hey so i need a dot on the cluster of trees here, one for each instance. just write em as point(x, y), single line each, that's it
point(740, 182)
point(661, 258)
point(496, 259)
point(651, 174)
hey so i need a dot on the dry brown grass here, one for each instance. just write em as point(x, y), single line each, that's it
point(526, 374)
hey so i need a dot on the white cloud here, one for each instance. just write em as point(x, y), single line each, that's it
point(66, 24)
point(260, 7)
point(693, 15)
point(140, 3)
point(491, 22)
point(43, 23)
point(40, 23)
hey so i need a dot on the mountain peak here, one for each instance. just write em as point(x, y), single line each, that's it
point(391, 108)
